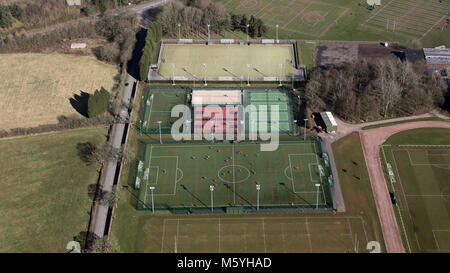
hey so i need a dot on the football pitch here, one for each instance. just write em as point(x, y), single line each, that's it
point(409, 17)
point(419, 179)
point(182, 174)
point(227, 62)
point(256, 234)
point(313, 18)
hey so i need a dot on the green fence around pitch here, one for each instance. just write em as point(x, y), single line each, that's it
point(158, 108)
point(181, 203)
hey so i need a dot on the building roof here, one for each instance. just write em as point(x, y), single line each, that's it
point(328, 119)
point(440, 55)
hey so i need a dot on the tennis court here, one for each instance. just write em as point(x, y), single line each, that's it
point(264, 100)
point(183, 173)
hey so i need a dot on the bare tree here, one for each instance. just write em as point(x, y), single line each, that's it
point(110, 198)
point(106, 244)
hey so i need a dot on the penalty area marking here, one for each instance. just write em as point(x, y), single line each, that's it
point(157, 178)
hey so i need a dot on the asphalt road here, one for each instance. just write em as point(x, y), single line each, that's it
point(102, 217)
point(111, 171)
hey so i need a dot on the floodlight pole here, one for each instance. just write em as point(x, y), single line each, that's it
point(304, 131)
point(208, 33)
point(205, 66)
point(159, 125)
point(317, 199)
point(173, 74)
point(211, 188)
point(247, 31)
point(277, 33)
point(153, 206)
point(179, 31)
point(194, 81)
point(258, 187)
point(281, 69)
point(248, 75)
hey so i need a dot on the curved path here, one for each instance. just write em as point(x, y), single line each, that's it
point(371, 141)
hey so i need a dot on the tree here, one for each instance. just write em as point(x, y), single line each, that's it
point(150, 52)
point(109, 52)
point(262, 29)
point(15, 10)
point(98, 102)
point(144, 66)
point(110, 198)
point(5, 17)
point(101, 5)
point(105, 244)
point(243, 23)
point(252, 25)
point(86, 151)
point(236, 21)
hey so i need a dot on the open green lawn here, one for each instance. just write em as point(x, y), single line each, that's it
point(420, 162)
point(227, 61)
point(347, 20)
point(142, 231)
point(44, 201)
point(307, 54)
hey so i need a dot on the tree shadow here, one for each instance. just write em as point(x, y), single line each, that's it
point(133, 63)
point(94, 191)
point(80, 103)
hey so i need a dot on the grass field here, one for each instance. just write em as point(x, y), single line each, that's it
point(412, 18)
point(182, 175)
point(307, 54)
point(347, 20)
point(36, 88)
point(227, 61)
point(44, 201)
point(142, 231)
point(312, 18)
point(420, 162)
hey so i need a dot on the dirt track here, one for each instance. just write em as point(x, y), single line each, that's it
point(371, 141)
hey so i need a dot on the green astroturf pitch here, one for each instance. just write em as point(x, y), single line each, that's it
point(183, 173)
point(227, 61)
point(422, 187)
point(158, 105)
point(263, 101)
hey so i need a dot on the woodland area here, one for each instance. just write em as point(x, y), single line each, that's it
point(194, 16)
point(38, 13)
point(364, 91)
